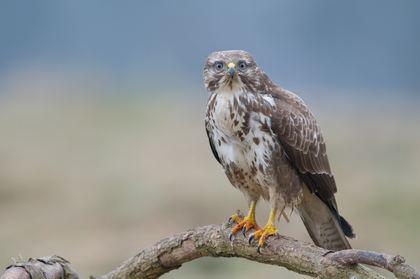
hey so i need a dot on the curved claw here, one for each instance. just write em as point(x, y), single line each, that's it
point(230, 219)
point(259, 249)
point(250, 238)
point(244, 230)
point(278, 235)
point(231, 236)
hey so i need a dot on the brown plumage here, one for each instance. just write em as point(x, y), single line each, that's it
point(271, 146)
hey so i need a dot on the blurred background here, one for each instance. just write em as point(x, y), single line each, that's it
point(102, 144)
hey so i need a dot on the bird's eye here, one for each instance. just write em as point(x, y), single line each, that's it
point(242, 66)
point(218, 66)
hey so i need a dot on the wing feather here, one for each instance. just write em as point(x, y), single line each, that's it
point(303, 142)
point(213, 148)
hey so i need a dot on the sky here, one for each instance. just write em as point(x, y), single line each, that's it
point(351, 45)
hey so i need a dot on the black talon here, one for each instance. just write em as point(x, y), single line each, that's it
point(231, 236)
point(230, 219)
point(278, 235)
point(250, 238)
point(243, 230)
point(259, 249)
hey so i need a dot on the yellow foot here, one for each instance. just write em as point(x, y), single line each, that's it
point(262, 235)
point(246, 224)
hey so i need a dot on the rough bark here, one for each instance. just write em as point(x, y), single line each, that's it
point(213, 241)
point(54, 267)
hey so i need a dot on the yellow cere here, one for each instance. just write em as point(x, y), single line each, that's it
point(231, 64)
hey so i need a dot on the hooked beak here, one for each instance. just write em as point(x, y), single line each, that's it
point(232, 69)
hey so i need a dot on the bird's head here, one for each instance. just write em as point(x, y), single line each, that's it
point(232, 71)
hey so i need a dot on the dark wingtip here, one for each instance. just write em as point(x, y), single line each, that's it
point(347, 228)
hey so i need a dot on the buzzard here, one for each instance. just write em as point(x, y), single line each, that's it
point(270, 146)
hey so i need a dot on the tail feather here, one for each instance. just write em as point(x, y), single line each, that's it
point(322, 224)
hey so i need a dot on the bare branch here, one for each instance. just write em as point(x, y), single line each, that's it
point(54, 267)
point(395, 264)
point(213, 241)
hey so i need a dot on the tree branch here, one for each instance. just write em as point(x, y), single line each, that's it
point(213, 241)
point(301, 257)
point(53, 267)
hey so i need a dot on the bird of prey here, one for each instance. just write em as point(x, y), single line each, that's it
point(270, 146)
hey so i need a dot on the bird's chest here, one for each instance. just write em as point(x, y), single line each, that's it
point(242, 137)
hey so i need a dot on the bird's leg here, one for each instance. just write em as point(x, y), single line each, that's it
point(247, 223)
point(265, 232)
